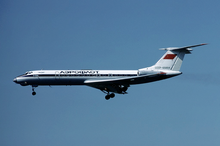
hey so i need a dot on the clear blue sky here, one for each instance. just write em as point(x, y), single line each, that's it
point(116, 34)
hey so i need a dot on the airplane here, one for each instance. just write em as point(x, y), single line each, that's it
point(110, 81)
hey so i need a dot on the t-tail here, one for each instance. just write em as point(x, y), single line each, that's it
point(173, 58)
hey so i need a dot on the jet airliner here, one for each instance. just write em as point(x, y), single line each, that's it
point(110, 81)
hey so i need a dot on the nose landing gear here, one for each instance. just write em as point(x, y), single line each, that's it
point(33, 87)
point(34, 93)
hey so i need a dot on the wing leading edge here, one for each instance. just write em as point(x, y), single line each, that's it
point(120, 85)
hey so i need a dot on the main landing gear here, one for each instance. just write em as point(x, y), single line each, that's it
point(108, 96)
point(33, 87)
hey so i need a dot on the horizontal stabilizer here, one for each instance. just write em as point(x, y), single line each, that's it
point(187, 48)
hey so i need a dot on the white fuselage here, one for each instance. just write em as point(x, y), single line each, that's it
point(78, 77)
point(70, 77)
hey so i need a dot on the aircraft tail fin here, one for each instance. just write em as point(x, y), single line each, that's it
point(173, 58)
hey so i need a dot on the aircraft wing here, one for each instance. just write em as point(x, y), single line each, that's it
point(117, 85)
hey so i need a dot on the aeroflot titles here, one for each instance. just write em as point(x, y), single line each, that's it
point(80, 72)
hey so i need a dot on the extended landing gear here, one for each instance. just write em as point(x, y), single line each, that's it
point(34, 93)
point(33, 87)
point(108, 96)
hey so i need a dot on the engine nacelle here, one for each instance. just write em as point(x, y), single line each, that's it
point(145, 71)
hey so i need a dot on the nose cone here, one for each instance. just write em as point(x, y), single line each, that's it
point(15, 80)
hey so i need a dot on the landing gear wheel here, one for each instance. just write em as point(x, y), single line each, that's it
point(107, 97)
point(33, 93)
point(33, 87)
point(112, 95)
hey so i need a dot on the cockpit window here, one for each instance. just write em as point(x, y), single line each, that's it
point(29, 72)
